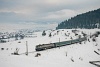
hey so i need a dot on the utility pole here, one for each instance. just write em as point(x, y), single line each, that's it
point(59, 42)
point(26, 48)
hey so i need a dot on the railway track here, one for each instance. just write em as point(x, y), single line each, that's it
point(60, 44)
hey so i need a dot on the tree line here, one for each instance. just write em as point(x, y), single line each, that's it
point(88, 20)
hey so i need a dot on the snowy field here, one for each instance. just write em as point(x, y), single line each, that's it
point(75, 55)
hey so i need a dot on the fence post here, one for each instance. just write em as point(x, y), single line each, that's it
point(26, 48)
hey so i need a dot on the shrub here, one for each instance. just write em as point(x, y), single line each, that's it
point(43, 34)
point(50, 35)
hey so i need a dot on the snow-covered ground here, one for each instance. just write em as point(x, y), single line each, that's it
point(75, 55)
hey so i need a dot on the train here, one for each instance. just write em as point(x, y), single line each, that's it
point(59, 44)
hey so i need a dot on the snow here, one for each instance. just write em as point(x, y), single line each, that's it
point(75, 55)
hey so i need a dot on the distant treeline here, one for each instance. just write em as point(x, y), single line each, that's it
point(88, 20)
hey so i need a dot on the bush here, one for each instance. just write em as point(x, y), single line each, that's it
point(37, 55)
point(43, 34)
point(50, 35)
point(94, 40)
point(2, 48)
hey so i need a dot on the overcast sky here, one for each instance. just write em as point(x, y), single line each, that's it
point(37, 12)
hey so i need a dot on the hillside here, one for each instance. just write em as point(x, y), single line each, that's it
point(88, 20)
point(75, 55)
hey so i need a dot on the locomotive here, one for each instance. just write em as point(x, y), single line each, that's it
point(59, 44)
point(45, 46)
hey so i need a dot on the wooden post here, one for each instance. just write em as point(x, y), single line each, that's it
point(59, 39)
point(26, 48)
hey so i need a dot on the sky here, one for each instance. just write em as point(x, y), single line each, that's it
point(42, 13)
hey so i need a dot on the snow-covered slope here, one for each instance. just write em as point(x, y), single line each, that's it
point(75, 55)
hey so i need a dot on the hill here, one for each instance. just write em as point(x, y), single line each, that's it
point(88, 20)
point(75, 55)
